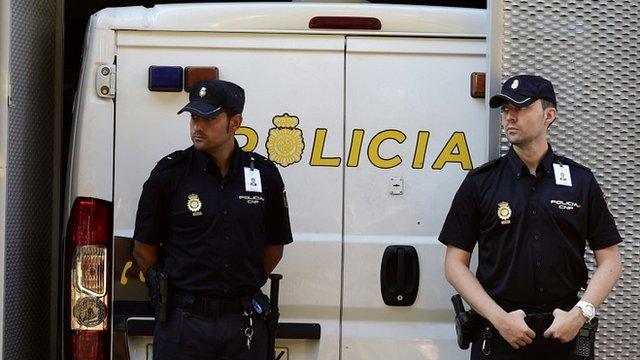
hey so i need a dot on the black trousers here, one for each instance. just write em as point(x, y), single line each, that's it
point(540, 348)
point(191, 337)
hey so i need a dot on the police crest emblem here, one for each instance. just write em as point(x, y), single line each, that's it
point(504, 212)
point(285, 143)
point(194, 204)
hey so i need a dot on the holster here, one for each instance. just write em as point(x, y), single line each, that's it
point(586, 339)
point(260, 305)
point(466, 323)
point(158, 286)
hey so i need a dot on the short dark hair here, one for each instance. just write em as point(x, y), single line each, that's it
point(230, 113)
point(547, 104)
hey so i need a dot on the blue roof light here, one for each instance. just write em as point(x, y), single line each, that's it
point(165, 78)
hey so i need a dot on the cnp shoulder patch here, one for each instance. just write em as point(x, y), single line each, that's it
point(262, 160)
point(174, 158)
point(485, 166)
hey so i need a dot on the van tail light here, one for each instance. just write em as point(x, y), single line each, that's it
point(88, 280)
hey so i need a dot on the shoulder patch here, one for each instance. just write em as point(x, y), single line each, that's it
point(262, 160)
point(485, 166)
point(567, 161)
point(171, 159)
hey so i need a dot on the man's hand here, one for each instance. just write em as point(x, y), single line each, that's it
point(566, 325)
point(511, 326)
point(514, 330)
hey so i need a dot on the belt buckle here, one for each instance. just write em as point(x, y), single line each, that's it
point(538, 322)
point(188, 301)
point(183, 301)
point(212, 307)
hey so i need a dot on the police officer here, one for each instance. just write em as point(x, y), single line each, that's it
point(214, 219)
point(531, 213)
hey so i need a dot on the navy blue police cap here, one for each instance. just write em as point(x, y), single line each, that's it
point(522, 90)
point(209, 98)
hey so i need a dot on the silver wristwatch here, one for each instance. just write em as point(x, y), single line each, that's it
point(587, 309)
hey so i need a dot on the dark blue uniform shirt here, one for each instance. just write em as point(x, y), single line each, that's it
point(212, 231)
point(531, 232)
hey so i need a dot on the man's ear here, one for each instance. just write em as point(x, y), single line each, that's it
point(235, 122)
point(550, 116)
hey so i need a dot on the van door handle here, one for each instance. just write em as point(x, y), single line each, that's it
point(399, 275)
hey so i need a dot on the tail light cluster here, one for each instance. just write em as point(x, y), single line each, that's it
point(88, 280)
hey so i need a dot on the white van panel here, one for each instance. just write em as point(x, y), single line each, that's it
point(275, 71)
point(412, 85)
point(89, 169)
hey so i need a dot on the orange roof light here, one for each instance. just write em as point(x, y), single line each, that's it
point(477, 85)
point(193, 74)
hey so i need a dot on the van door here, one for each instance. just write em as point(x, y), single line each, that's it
point(410, 142)
point(284, 76)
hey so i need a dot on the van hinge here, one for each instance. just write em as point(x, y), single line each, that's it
point(106, 81)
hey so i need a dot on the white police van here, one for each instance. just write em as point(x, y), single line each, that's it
point(374, 114)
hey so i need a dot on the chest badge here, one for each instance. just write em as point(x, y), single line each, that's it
point(194, 204)
point(504, 212)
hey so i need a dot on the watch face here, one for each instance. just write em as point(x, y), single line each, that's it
point(588, 310)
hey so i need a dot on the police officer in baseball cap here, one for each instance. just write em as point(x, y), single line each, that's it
point(212, 219)
point(207, 99)
point(531, 214)
point(523, 90)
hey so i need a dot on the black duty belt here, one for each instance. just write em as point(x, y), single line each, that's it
point(539, 322)
point(566, 304)
point(206, 306)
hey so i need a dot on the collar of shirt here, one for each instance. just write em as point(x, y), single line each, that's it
point(207, 165)
point(520, 169)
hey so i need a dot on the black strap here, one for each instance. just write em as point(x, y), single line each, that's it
point(566, 303)
point(205, 306)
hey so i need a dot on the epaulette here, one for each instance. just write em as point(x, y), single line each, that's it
point(566, 161)
point(485, 166)
point(262, 160)
point(171, 159)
